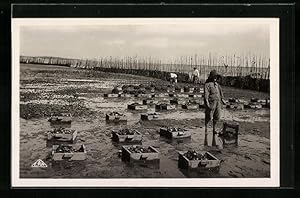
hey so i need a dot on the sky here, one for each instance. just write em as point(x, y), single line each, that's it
point(159, 41)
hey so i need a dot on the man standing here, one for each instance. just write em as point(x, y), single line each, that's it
point(213, 99)
point(196, 75)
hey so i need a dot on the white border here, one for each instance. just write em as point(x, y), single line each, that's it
point(273, 181)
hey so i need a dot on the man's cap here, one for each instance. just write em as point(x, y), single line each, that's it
point(213, 74)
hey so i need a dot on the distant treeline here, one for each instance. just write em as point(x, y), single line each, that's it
point(251, 72)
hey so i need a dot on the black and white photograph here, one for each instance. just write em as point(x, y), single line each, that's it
point(163, 102)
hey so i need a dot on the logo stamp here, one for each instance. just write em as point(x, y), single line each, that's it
point(39, 163)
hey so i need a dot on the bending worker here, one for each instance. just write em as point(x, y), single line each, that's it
point(213, 99)
point(196, 75)
point(173, 78)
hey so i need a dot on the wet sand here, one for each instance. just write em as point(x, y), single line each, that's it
point(47, 88)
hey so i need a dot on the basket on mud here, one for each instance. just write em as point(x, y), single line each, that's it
point(198, 161)
point(68, 152)
point(174, 133)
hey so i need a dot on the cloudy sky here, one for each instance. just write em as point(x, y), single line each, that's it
point(162, 41)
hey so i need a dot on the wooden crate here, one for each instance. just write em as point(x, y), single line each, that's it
point(69, 156)
point(260, 100)
point(263, 101)
point(110, 95)
point(60, 120)
point(143, 95)
point(160, 95)
point(165, 107)
point(233, 100)
point(201, 103)
point(125, 95)
point(170, 89)
point(237, 106)
point(255, 103)
point(129, 156)
point(230, 132)
point(195, 95)
point(253, 106)
point(182, 95)
point(149, 101)
point(196, 100)
point(149, 116)
point(211, 163)
point(136, 137)
point(115, 117)
point(179, 90)
point(135, 106)
point(117, 90)
point(237, 101)
point(189, 89)
point(178, 101)
point(254, 99)
point(183, 133)
point(267, 105)
point(200, 90)
point(191, 106)
point(60, 136)
point(163, 101)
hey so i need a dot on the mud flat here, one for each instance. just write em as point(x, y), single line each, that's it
point(81, 94)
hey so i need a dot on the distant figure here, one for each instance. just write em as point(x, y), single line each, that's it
point(173, 78)
point(196, 75)
point(213, 99)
